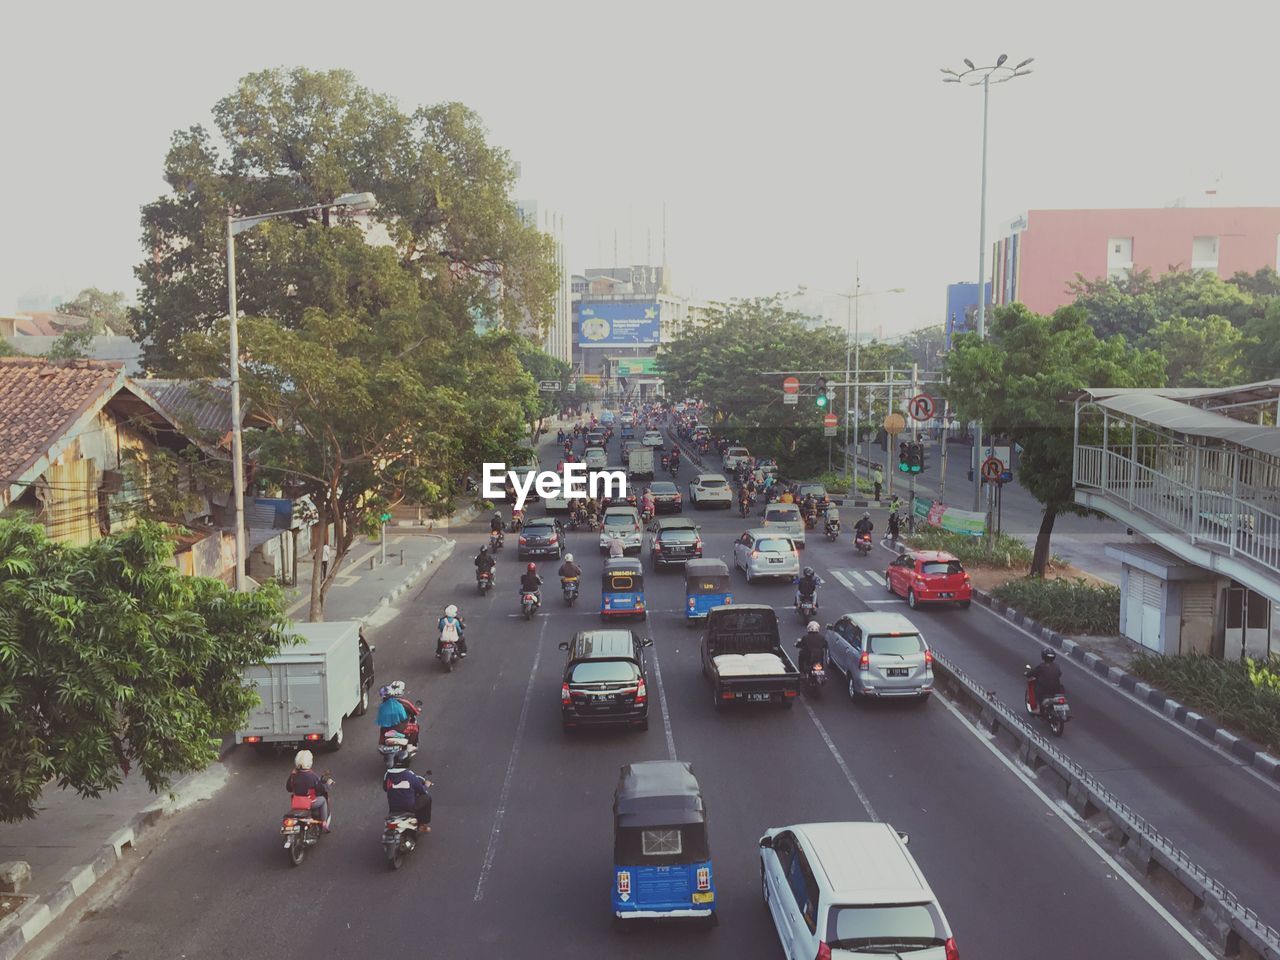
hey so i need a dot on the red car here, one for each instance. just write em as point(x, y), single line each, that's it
point(929, 576)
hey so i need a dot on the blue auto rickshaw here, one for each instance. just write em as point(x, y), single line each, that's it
point(706, 585)
point(661, 852)
point(622, 588)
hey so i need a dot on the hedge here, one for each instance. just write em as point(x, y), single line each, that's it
point(1242, 695)
point(1003, 552)
point(1068, 606)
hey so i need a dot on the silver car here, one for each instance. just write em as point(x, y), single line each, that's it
point(784, 518)
point(881, 655)
point(766, 553)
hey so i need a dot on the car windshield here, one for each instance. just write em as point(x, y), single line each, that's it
point(940, 568)
point(662, 488)
point(713, 484)
point(619, 520)
point(737, 452)
point(604, 671)
point(678, 533)
point(774, 546)
point(540, 527)
point(907, 926)
point(782, 515)
point(901, 646)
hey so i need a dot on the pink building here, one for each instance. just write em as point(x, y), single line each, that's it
point(1041, 251)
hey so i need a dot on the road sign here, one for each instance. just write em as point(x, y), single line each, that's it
point(829, 423)
point(992, 469)
point(894, 424)
point(791, 385)
point(921, 407)
point(549, 386)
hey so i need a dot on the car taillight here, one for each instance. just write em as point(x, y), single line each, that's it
point(928, 658)
point(564, 693)
point(704, 878)
point(313, 736)
point(754, 554)
point(824, 952)
point(554, 540)
point(642, 693)
point(256, 739)
point(624, 881)
point(953, 952)
point(864, 662)
point(522, 539)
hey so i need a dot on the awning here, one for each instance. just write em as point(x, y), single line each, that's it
point(1161, 411)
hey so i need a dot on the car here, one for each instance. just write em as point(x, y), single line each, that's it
point(734, 456)
point(509, 491)
point(710, 489)
point(701, 430)
point(627, 447)
point(658, 524)
point(624, 523)
point(541, 537)
point(627, 499)
point(674, 545)
point(837, 887)
point(627, 417)
point(666, 497)
point(766, 553)
point(929, 576)
point(785, 518)
point(595, 439)
point(652, 438)
point(595, 458)
point(881, 655)
point(801, 490)
point(607, 416)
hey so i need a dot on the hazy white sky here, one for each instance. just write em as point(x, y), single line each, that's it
point(788, 141)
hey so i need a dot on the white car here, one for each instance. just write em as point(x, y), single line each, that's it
point(709, 490)
point(785, 518)
point(850, 889)
point(595, 458)
point(652, 438)
point(623, 523)
point(734, 456)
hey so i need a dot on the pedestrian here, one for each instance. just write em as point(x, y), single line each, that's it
point(324, 561)
point(877, 479)
point(894, 526)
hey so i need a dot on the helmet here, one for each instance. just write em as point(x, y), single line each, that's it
point(568, 558)
point(396, 688)
point(808, 571)
point(813, 626)
point(484, 548)
point(867, 515)
point(384, 691)
point(1047, 655)
point(303, 760)
point(532, 568)
point(497, 514)
point(451, 610)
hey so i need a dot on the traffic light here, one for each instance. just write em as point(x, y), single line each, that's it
point(904, 453)
point(915, 458)
point(820, 394)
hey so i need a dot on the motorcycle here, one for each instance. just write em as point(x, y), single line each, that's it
point(400, 835)
point(449, 654)
point(396, 747)
point(517, 521)
point(570, 587)
point(495, 540)
point(300, 829)
point(862, 543)
point(675, 469)
point(1054, 710)
point(528, 604)
point(811, 520)
point(815, 675)
point(645, 517)
point(806, 608)
point(484, 581)
point(832, 530)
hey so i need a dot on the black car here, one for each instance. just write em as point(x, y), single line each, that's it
point(595, 439)
point(604, 680)
point(674, 545)
point(541, 537)
point(666, 497)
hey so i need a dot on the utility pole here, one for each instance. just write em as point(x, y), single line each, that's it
point(915, 433)
point(942, 483)
point(888, 444)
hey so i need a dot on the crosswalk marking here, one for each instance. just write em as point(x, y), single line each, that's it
point(864, 578)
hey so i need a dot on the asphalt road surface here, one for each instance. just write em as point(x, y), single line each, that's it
point(519, 862)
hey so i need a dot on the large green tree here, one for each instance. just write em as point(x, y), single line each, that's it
point(1132, 304)
point(106, 312)
point(1263, 343)
point(111, 659)
point(1016, 380)
point(1204, 352)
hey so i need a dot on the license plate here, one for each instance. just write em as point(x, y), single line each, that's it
point(897, 672)
point(707, 897)
point(946, 596)
point(775, 559)
point(759, 696)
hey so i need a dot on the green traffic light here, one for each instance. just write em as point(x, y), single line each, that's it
point(820, 400)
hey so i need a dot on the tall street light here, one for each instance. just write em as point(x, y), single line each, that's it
point(997, 72)
point(354, 202)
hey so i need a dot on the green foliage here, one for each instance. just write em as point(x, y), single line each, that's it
point(106, 312)
point(1131, 305)
point(540, 365)
point(1242, 695)
point(170, 484)
point(1068, 606)
point(834, 482)
point(1199, 353)
point(1003, 552)
point(1263, 348)
point(72, 345)
point(925, 346)
point(111, 659)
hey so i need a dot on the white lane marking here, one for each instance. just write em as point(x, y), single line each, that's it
point(844, 767)
point(894, 600)
point(874, 577)
point(492, 849)
point(843, 579)
point(1080, 832)
point(860, 578)
point(662, 699)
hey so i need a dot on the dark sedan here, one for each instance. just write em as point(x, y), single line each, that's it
point(674, 545)
point(666, 497)
point(541, 537)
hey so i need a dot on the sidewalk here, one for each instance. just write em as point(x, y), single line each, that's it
point(73, 842)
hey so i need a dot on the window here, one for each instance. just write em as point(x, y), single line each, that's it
point(916, 924)
point(805, 889)
point(660, 843)
point(775, 546)
point(605, 671)
point(896, 646)
point(1204, 253)
point(941, 568)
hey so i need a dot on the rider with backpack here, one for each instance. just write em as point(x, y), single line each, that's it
point(452, 627)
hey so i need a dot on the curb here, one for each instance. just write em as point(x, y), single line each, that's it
point(28, 923)
point(1206, 729)
point(428, 565)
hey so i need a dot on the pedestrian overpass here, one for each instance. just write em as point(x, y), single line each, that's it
point(1196, 474)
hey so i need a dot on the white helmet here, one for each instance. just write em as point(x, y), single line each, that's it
point(451, 610)
point(303, 760)
point(568, 558)
point(813, 626)
point(395, 688)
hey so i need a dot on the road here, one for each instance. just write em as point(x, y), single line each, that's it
point(519, 863)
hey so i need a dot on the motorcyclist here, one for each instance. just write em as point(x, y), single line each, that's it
point(895, 525)
point(484, 563)
point(807, 585)
point(495, 522)
point(744, 500)
point(396, 712)
point(305, 782)
point(646, 503)
point(569, 569)
point(1047, 677)
point(813, 646)
point(517, 518)
point(453, 625)
point(809, 509)
point(408, 793)
point(863, 526)
point(530, 582)
point(832, 522)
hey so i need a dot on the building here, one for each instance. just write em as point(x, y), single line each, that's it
point(1195, 474)
point(557, 340)
point(962, 308)
point(1040, 252)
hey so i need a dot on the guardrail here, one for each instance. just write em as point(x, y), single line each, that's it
point(1223, 919)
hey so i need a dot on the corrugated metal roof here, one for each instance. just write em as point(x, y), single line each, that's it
point(1193, 421)
point(201, 406)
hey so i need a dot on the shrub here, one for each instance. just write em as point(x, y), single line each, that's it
point(1002, 552)
point(834, 482)
point(1243, 695)
point(1069, 606)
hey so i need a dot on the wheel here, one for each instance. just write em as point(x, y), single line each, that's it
point(964, 604)
point(747, 571)
point(852, 688)
point(716, 702)
point(335, 741)
point(1057, 726)
point(448, 664)
point(911, 598)
point(888, 584)
point(363, 705)
point(644, 724)
point(297, 851)
point(395, 857)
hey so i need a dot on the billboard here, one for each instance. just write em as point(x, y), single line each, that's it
point(962, 308)
point(618, 323)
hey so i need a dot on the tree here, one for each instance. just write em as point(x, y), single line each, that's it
point(1015, 382)
point(1262, 349)
point(540, 365)
point(1199, 353)
point(1131, 305)
point(926, 345)
point(111, 659)
point(106, 312)
point(1264, 282)
point(72, 345)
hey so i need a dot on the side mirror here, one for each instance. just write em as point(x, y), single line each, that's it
point(904, 838)
point(417, 703)
point(766, 843)
point(1026, 666)
point(372, 648)
point(564, 645)
point(647, 642)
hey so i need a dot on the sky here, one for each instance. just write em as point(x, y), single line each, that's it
point(791, 144)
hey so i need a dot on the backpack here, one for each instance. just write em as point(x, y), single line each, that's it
point(448, 630)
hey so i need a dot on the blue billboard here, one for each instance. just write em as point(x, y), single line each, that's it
point(962, 308)
point(618, 323)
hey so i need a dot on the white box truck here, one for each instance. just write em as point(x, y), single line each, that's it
point(640, 463)
point(307, 689)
